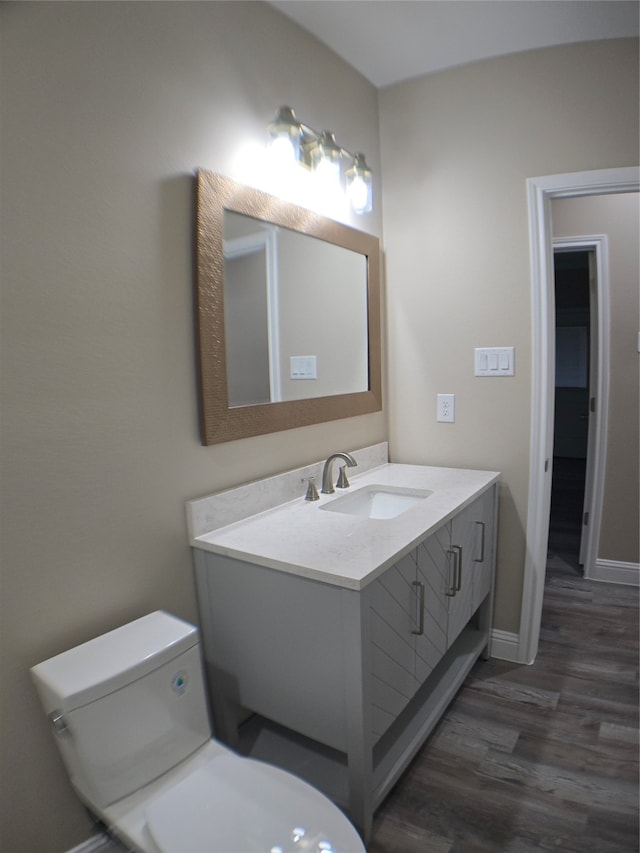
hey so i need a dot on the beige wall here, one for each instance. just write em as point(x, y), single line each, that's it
point(457, 149)
point(107, 108)
point(617, 217)
point(324, 314)
point(106, 111)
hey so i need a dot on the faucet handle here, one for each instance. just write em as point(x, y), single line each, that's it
point(343, 482)
point(312, 492)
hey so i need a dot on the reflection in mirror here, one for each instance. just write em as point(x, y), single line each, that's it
point(291, 335)
point(288, 313)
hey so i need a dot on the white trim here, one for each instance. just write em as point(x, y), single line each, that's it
point(249, 244)
point(615, 571)
point(599, 243)
point(540, 191)
point(504, 645)
point(273, 316)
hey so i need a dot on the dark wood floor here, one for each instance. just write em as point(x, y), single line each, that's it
point(565, 521)
point(541, 757)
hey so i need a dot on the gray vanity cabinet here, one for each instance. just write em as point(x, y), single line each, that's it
point(421, 604)
point(341, 686)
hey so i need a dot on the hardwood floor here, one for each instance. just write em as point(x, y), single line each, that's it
point(541, 757)
point(565, 520)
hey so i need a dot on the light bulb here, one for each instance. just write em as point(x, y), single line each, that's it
point(358, 195)
point(358, 179)
point(283, 152)
point(286, 134)
point(327, 172)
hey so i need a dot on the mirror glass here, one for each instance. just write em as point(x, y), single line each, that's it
point(295, 314)
point(288, 314)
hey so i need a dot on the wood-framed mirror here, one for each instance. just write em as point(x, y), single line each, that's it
point(287, 314)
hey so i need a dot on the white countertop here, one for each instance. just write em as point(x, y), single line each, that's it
point(345, 550)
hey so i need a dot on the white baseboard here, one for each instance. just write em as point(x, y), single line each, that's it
point(614, 571)
point(504, 645)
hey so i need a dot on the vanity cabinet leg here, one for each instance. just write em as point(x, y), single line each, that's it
point(360, 766)
point(357, 672)
point(360, 794)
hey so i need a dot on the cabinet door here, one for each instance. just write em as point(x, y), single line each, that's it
point(393, 622)
point(433, 575)
point(460, 593)
point(483, 557)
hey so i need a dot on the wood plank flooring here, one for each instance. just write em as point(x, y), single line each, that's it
point(541, 757)
point(565, 520)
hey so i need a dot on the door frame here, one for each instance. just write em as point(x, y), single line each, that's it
point(265, 241)
point(598, 389)
point(540, 192)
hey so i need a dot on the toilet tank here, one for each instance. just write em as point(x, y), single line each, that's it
point(127, 706)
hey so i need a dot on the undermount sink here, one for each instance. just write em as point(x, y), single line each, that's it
point(377, 501)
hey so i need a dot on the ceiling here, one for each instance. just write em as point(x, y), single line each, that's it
point(392, 40)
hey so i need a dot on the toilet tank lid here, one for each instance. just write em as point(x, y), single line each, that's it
point(111, 661)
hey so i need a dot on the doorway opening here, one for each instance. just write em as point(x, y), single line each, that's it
point(575, 317)
point(540, 192)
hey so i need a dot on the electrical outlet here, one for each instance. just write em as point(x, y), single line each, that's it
point(446, 408)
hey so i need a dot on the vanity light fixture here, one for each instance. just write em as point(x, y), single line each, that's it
point(293, 142)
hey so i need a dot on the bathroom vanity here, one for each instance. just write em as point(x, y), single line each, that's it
point(335, 640)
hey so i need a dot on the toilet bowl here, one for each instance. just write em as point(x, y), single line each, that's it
point(222, 802)
point(129, 714)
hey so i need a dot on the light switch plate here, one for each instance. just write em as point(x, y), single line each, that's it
point(494, 361)
point(303, 367)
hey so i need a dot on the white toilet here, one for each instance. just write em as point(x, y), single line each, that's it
point(130, 717)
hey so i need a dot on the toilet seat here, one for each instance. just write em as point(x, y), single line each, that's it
point(239, 805)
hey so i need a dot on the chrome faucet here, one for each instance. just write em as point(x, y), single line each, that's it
point(327, 480)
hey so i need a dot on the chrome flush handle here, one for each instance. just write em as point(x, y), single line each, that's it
point(57, 720)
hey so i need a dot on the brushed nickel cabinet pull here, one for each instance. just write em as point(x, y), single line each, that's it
point(480, 559)
point(453, 563)
point(419, 631)
point(458, 550)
